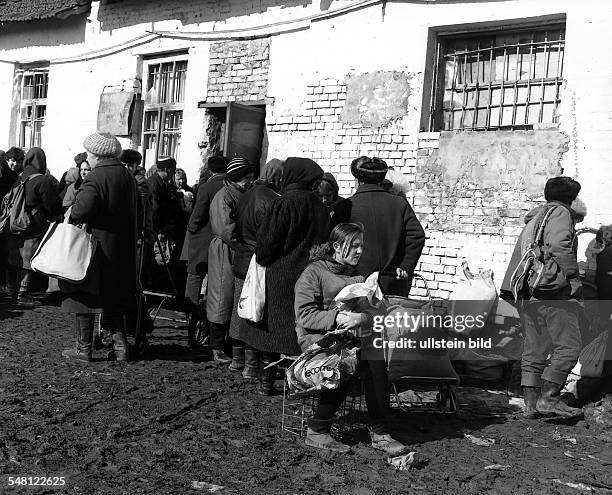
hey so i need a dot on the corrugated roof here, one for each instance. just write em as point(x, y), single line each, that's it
point(28, 10)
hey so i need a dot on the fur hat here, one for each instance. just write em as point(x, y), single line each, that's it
point(80, 158)
point(165, 163)
point(369, 170)
point(217, 164)
point(102, 144)
point(239, 167)
point(130, 156)
point(562, 189)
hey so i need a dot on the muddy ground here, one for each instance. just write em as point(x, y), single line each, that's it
point(156, 426)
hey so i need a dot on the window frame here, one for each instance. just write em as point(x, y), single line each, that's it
point(162, 111)
point(433, 118)
point(34, 103)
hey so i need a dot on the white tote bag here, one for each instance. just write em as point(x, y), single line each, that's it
point(65, 252)
point(253, 295)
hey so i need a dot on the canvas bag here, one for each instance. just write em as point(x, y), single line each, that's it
point(13, 216)
point(65, 252)
point(253, 296)
point(323, 366)
point(537, 273)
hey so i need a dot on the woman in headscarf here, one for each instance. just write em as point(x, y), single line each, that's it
point(297, 221)
point(73, 187)
point(327, 189)
point(44, 205)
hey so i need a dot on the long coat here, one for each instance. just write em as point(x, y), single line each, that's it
point(199, 229)
point(106, 202)
point(298, 220)
point(393, 236)
point(220, 296)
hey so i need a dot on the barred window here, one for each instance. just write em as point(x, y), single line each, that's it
point(33, 107)
point(504, 80)
point(163, 117)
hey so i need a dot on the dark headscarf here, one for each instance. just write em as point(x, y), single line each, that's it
point(301, 172)
point(36, 159)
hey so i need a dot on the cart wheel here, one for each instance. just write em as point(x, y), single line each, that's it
point(448, 401)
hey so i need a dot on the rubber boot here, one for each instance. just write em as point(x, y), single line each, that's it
point(531, 396)
point(318, 436)
point(251, 364)
point(550, 403)
point(120, 346)
point(83, 327)
point(267, 376)
point(237, 364)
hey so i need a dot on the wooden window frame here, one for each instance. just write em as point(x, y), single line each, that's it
point(35, 103)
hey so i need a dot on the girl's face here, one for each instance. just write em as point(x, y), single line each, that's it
point(349, 254)
point(180, 181)
point(85, 169)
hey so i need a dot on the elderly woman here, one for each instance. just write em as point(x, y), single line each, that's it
point(73, 187)
point(297, 221)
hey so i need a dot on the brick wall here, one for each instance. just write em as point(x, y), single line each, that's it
point(238, 71)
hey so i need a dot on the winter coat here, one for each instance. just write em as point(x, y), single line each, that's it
point(603, 274)
point(199, 229)
point(166, 211)
point(315, 290)
point(42, 200)
point(220, 295)
point(144, 209)
point(393, 236)
point(297, 221)
point(250, 212)
point(7, 178)
point(106, 202)
point(559, 239)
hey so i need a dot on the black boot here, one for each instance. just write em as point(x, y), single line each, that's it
point(238, 357)
point(531, 396)
point(218, 333)
point(118, 330)
point(550, 403)
point(83, 326)
point(267, 376)
point(251, 364)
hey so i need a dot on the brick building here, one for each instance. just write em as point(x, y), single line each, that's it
point(476, 103)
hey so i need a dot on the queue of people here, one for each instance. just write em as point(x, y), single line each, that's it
point(311, 242)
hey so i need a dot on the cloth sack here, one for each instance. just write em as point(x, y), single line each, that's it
point(591, 361)
point(65, 252)
point(474, 295)
point(253, 296)
point(323, 366)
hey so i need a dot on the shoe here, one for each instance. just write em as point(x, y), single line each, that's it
point(220, 357)
point(550, 403)
point(237, 364)
point(26, 300)
point(120, 346)
point(386, 443)
point(531, 396)
point(325, 441)
point(76, 354)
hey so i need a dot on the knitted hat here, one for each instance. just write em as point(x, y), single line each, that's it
point(130, 156)
point(217, 164)
point(369, 170)
point(165, 163)
point(238, 167)
point(563, 189)
point(102, 144)
point(80, 158)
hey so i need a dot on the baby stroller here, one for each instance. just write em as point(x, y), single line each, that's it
point(415, 372)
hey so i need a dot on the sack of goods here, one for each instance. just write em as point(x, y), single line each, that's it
point(324, 366)
point(475, 295)
point(65, 252)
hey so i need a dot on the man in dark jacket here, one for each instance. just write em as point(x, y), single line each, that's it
point(550, 322)
point(200, 235)
point(107, 204)
point(132, 160)
point(43, 205)
point(393, 235)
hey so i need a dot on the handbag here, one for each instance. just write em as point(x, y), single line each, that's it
point(65, 252)
point(253, 296)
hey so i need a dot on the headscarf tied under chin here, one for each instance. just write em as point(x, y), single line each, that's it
point(36, 159)
point(72, 176)
point(300, 173)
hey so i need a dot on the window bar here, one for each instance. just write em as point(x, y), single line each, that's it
point(544, 73)
point(434, 98)
point(490, 81)
point(529, 77)
point(477, 101)
point(501, 96)
point(464, 100)
point(516, 78)
point(452, 103)
point(558, 78)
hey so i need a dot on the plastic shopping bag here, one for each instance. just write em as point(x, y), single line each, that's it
point(323, 368)
point(475, 295)
point(253, 295)
point(359, 293)
point(591, 361)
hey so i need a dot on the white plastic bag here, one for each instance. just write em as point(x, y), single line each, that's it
point(65, 252)
point(253, 295)
point(475, 295)
point(369, 289)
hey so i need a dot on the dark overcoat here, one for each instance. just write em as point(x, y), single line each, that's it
point(106, 202)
